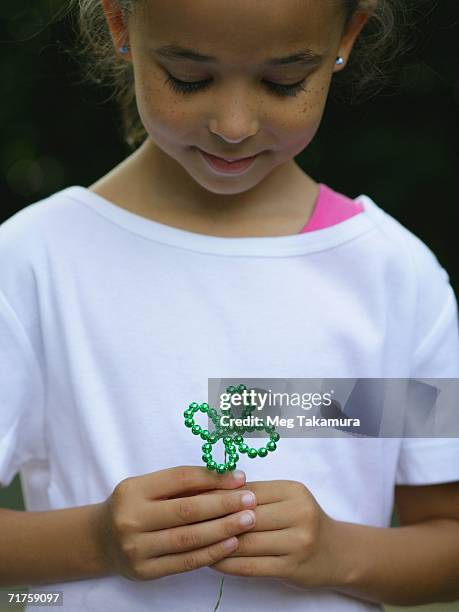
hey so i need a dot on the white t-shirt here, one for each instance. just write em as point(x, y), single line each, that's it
point(111, 324)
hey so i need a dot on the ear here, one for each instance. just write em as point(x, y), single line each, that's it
point(352, 31)
point(117, 25)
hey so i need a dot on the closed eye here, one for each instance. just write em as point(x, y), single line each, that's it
point(186, 87)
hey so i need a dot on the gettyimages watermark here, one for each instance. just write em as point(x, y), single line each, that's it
point(339, 407)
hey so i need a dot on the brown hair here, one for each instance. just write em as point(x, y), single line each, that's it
point(369, 68)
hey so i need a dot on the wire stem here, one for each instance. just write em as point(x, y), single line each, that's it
point(221, 583)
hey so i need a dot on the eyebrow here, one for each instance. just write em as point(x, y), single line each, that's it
point(175, 52)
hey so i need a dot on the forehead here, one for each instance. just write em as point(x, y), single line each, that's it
point(239, 30)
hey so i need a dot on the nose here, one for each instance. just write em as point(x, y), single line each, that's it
point(233, 121)
point(232, 131)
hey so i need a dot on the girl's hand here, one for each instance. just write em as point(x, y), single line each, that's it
point(146, 533)
point(290, 540)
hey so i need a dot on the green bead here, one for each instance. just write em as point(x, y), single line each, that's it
point(213, 438)
point(231, 466)
point(275, 436)
point(234, 457)
point(204, 406)
point(241, 388)
point(252, 453)
point(227, 440)
point(188, 414)
point(250, 428)
point(211, 465)
point(221, 469)
point(238, 439)
point(231, 389)
point(189, 422)
point(271, 446)
point(206, 448)
point(269, 428)
point(259, 427)
point(205, 434)
point(262, 452)
point(193, 406)
point(212, 413)
point(196, 429)
point(207, 457)
point(243, 448)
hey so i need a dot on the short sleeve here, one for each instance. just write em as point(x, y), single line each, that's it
point(435, 354)
point(423, 461)
point(21, 397)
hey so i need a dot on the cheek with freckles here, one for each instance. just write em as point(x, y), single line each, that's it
point(165, 118)
point(301, 123)
point(288, 125)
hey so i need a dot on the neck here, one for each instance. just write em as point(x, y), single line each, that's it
point(153, 185)
point(164, 176)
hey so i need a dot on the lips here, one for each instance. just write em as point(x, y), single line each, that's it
point(222, 166)
point(230, 160)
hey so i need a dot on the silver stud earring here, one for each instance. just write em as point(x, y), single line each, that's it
point(339, 60)
point(124, 49)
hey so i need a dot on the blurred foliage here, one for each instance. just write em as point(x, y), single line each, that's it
point(399, 147)
point(11, 497)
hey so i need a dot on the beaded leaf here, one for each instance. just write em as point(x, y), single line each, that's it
point(232, 436)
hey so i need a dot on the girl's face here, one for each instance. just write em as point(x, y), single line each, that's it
point(244, 101)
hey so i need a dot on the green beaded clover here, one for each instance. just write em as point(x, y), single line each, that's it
point(232, 436)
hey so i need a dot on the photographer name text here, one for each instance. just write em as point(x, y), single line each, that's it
point(277, 421)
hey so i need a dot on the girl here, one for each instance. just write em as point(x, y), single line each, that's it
point(208, 252)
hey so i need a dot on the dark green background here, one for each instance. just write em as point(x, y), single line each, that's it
point(399, 147)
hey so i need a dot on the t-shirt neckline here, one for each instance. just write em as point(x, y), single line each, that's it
point(265, 246)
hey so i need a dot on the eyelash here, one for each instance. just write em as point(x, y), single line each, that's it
point(186, 87)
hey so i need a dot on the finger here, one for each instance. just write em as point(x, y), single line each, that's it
point(177, 480)
point(192, 537)
point(269, 491)
point(265, 492)
point(169, 513)
point(272, 566)
point(270, 517)
point(264, 544)
point(187, 561)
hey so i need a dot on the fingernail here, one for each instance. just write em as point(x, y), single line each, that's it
point(239, 475)
point(247, 518)
point(248, 499)
point(231, 543)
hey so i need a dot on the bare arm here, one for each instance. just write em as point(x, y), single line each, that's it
point(142, 531)
point(400, 566)
point(50, 546)
point(414, 564)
